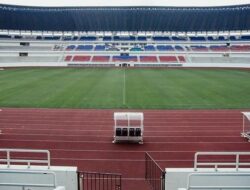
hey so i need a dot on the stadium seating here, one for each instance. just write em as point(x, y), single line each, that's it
point(70, 48)
point(100, 58)
point(199, 48)
point(84, 47)
point(68, 58)
point(149, 48)
point(152, 59)
point(165, 48)
point(99, 48)
point(219, 48)
point(168, 59)
point(87, 38)
point(81, 58)
point(124, 59)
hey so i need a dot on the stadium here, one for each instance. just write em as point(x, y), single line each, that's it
point(124, 96)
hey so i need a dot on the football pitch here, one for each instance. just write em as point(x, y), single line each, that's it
point(125, 88)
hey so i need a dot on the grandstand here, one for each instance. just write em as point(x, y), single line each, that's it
point(71, 149)
point(100, 40)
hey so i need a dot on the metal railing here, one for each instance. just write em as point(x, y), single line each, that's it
point(154, 175)
point(99, 181)
point(8, 160)
point(24, 185)
point(236, 163)
point(217, 175)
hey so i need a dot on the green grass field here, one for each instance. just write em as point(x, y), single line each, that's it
point(120, 88)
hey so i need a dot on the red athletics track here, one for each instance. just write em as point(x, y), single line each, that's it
point(83, 138)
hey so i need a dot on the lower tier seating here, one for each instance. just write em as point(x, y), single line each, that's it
point(100, 58)
point(81, 58)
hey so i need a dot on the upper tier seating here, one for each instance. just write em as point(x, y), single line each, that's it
point(161, 38)
point(84, 48)
point(148, 59)
point(179, 38)
point(219, 38)
point(179, 48)
point(136, 49)
point(87, 38)
point(70, 47)
point(81, 58)
point(99, 48)
point(124, 58)
point(142, 38)
point(149, 48)
point(124, 38)
point(5, 36)
point(107, 38)
point(52, 38)
point(165, 48)
point(200, 38)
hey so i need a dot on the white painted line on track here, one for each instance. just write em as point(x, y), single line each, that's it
point(109, 142)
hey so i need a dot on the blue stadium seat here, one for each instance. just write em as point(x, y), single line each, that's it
point(67, 38)
point(87, 38)
point(165, 48)
point(5, 36)
point(100, 48)
point(107, 38)
point(136, 49)
point(219, 38)
point(200, 38)
point(161, 38)
point(247, 38)
point(52, 38)
point(179, 38)
point(70, 48)
point(149, 48)
point(18, 37)
point(179, 48)
point(124, 38)
point(141, 38)
point(39, 37)
point(84, 47)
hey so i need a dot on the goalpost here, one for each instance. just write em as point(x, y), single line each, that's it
point(246, 125)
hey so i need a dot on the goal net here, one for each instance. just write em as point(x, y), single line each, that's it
point(246, 125)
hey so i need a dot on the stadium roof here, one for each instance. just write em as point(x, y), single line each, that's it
point(119, 3)
point(145, 18)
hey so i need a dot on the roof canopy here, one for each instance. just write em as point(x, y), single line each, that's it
point(125, 18)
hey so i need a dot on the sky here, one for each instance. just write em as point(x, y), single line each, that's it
point(100, 3)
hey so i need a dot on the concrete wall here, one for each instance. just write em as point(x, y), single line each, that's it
point(178, 177)
point(66, 176)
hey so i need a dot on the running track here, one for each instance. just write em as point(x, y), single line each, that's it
point(83, 138)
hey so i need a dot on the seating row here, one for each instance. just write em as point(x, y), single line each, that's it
point(154, 59)
point(132, 38)
point(161, 48)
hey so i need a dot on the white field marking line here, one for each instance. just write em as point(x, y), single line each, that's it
point(109, 142)
point(124, 86)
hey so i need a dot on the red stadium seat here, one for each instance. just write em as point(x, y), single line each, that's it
point(148, 59)
point(168, 59)
point(100, 59)
point(81, 58)
point(68, 58)
point(182, 59)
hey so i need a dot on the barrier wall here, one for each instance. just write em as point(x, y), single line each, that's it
point(66, 176)
point(177, 178)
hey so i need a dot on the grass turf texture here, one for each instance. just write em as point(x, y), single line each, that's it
point(130, 88)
